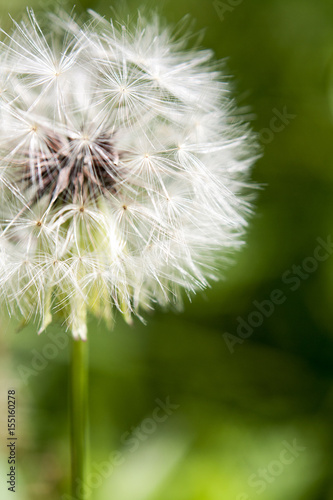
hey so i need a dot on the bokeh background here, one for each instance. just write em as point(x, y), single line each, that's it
point(250, 418)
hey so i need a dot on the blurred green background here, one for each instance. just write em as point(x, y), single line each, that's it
point(251, 418)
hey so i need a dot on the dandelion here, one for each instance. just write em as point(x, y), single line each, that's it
point(123, 169)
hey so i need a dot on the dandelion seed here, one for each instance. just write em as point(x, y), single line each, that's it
point(123, 174)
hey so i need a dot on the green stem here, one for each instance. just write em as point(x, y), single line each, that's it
point(79, 415)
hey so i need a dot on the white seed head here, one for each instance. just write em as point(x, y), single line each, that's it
point(123, 171)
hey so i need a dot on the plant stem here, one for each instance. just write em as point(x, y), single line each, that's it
point(79, 415)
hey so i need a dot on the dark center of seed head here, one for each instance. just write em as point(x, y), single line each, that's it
point(67, 173)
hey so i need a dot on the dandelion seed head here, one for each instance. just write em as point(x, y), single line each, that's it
point(123, 171)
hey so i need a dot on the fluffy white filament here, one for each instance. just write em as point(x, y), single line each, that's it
point(123, 171)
